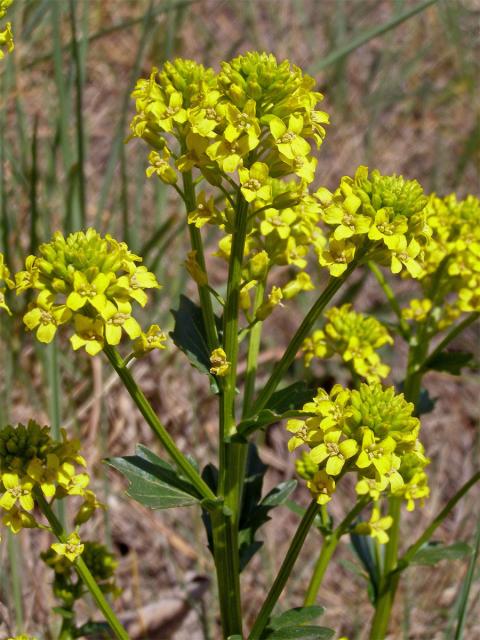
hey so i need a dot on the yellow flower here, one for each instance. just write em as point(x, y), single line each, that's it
point(89, 334)
point(16, 519)
point(16, 489)
point(377, 527)
point(6, 40)
point(154, 338)
point(220, 365)
point(71, 548)
point(159, 165)
point(322, 486)
point(334, 451)
point(45, 475)
point(254, 182)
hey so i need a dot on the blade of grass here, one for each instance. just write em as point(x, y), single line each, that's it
point(368, 34)
point(147, 25)
point(466, 587)
point(101, 33)
point(80, 134)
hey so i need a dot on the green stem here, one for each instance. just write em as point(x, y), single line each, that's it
point(437, 521)
point(453, 333)
point(197, 245)
point(288, 357)
point(232, 454)
point(82, 569)
point(285, 570)
point(152, 419)
point(384, 603)
point(330, 544)
point(16, 582)
point(253, 350)
point(389, 294)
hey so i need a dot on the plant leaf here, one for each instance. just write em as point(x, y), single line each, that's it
point(94, 630)
point(433, 552)
point(153, 482)
point(450, 361)
point(301, 633)
point(283, 404)
point(362, 545)
point(190, 336)
point(296, 616)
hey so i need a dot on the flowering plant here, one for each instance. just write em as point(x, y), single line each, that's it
point(237, 147)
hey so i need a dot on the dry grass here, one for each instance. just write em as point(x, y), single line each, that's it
point(404, 103)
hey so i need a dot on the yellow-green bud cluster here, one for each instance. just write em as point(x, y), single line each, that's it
point(89, 282)
point(451, 276)
point(355, 337)
point(100, 562)
point(381, 218)
point(6, 35)
point(4, 280)
point(370, 432)
point(254, 108)
point(31, 461)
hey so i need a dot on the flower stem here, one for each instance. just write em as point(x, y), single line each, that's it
point(197, 245)
point(453, 333)
point(330, 544)
point(285, 570)
point(288, 357)
point(390, 295)
point(231, 454)
point(82, 569)
point(151, 417)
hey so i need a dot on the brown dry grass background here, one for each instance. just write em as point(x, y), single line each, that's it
point(405, 103)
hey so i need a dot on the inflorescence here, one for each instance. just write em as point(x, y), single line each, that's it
point(369, 432)
point(6, 36)
point(90, 283)
point(355, 337)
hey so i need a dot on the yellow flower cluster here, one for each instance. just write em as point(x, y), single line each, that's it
point(370, 432)
point(248, 129)
point(4, 280)
point(451, 278)
point(255, 116)
point(31, 461)
point(6, 36)
point(355, 337)
point(375, 217)
point(91, 283)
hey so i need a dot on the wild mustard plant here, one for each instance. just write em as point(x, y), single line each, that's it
point(237, 146)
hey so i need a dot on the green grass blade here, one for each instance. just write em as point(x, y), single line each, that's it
point(369, 34)
point(80, 135)
point(120, 132)
point(466, 587)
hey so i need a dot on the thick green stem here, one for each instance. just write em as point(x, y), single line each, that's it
point(330, 544)
point(383, 606)
point(288, 357)
point(82, 569)
point(197, 245)
point(231, 454)
point(152, 419)
point(285, 571)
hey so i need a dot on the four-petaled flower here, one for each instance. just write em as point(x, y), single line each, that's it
point(336, 452)
point(71, 548)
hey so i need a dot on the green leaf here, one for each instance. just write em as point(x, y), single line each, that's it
point(425, 403)
point(450, 361)
point(300, 633)
point(363, 547)
point(296, 616)
point(153, 482)
point(94, 630)
point(190, 336)
point(283, 404)
point(433, 552)
point(292, 397)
